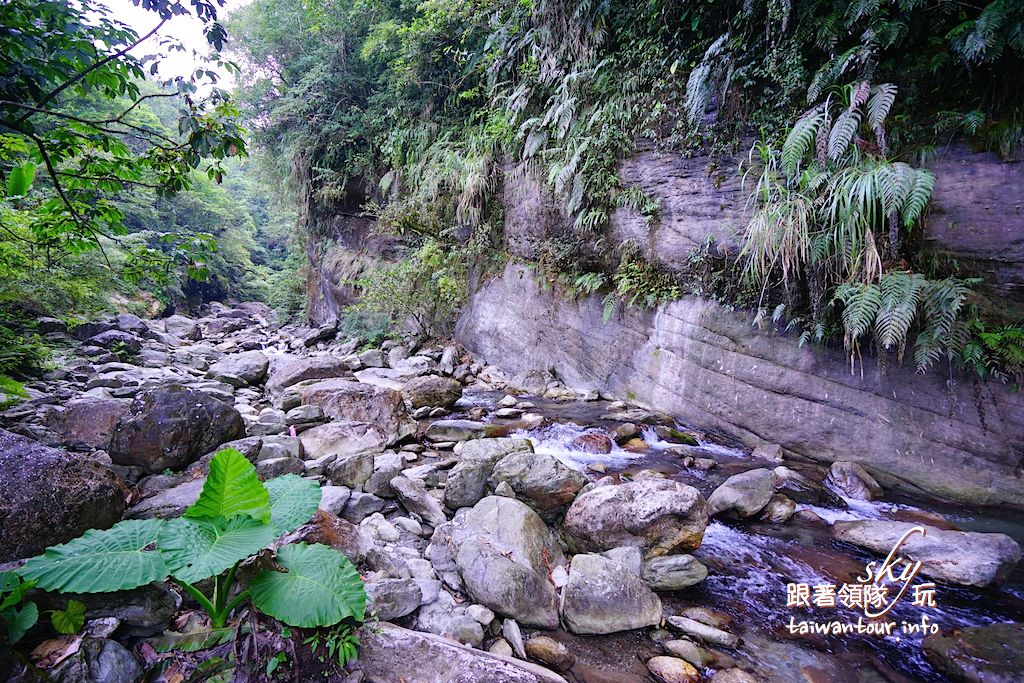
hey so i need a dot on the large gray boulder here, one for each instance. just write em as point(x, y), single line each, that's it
point(286, 370)
point(342, 438)
point(357, 402)
point(392, 654)
point(98, 660)
point(542, 481)
point(744, 494)
point(170, 427)
point(432, 390)
point(604, 594)
point(49, 497)
point(88, 422)
point(853, 481)
point(659, 516)
point(240, 369)
point(169, 503)
point(467, 481)
point(673, 572)
point(503, 551)
point(182, 327)
point(964, 558)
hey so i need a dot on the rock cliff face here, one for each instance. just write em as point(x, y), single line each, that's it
point(706, 365)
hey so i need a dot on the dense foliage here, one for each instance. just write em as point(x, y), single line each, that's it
point(417, 112)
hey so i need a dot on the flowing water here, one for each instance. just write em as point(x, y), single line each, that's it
point(751, 563)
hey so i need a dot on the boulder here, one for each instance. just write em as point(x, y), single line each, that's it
point(392, 598)
point(673, 670)
point(116, 341)
point(87, 423)
point(771, 452)
point(706, 633)
point(342, 438)
point(351, 470)
point(673, 572)
point(660, 516)
point(286, 370)
point(391, 654)
point(357, 402)
point(503, 551)
point(240, 369)
point(172, 426)
point(851, 480)
point(168, 503)
point(802, 489)
point(593, 442)
point(964, 558)
point(778, 510)
point(605, 594)
point(49, 497)
point(542, 481)
point(462, 430)
point(467, 481)
point(143, 611)
point(550, 653)
point(182, 327)
point(979, 654)
point(414, 497)
point(432, 390)
point(98, 660)
point(744, 494)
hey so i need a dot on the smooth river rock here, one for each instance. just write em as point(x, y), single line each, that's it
point(659, 516)
point(744, 494)
point(979, 654)
point(605, 594)
point(964, 558)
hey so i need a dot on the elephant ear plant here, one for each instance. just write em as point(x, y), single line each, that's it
point(235, 517)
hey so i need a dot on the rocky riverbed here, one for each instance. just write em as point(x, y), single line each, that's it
point(506, 528)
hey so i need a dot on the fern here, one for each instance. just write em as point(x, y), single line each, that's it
point(800, 139)
point(843, 132)
point(880, 103)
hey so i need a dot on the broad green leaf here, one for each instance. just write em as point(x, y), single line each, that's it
point(69, 620)
point(293, 500)
point(319, 588)
point(19, 620)
point(101, 561)
point(14, 587)
point(19, 180)
point(231, 488)
point(196, 549)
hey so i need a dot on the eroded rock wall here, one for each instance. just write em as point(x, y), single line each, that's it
point(706, 365)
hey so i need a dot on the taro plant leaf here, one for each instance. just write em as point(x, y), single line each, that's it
point(293, 500)
point(69, 620)
point(196, 549)
point(19, 620)
point(231, 488)
point(101, 561)
point(320, 587)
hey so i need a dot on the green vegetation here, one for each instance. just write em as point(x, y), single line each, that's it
point(235, 517)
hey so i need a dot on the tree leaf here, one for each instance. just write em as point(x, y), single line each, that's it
point(19, 180)
point(231, 488)
point(319, 588)
point(69, 620)
point(101, 561)
point(293, 500)
point(196, 549)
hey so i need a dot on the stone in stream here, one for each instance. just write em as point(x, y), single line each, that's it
point(802, 489)
point(116, 340)
point(172, 426)
point(732, 676)
point(980, 654)
point(48, 496)
point(503, 552)
point(542, 481)
point(964, 558)
point(673, 670)
point(87, 423)
point(240, 369)
point(168, 503)
point(851, 480)
point(392, 598)
point(744, 494)
point(343, 399)
point(772, 452)
point(391, 654)
point(432, 390)
point(605, 594)
point(415, 498)
point(182, 327)
point(700, 657)
point(462, 430)
point(592, 442)
point(702, 632)
point(351, 470)
point(550, 653)
point(778, 510)
point(467, 481)
point(673, 572)
point(659, 516)
point(343, 438)
point(286, 370)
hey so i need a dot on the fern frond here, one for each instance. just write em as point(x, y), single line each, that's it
point(843, 131)
point(800, 139)
point(880, 103)
point(919, 196)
